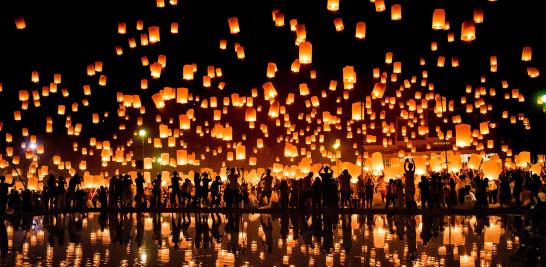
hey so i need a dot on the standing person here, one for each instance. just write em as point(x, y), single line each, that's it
point(103, 198)
point(424, 188)
point(186, 193)
point(452, 200)
point(493, 191)
point(390, 194)
point(399, 193)
point(112, 192)
point(61, 192)
point(176, 194)
point(317, 187)
point(72, 184)
point(461, 191)
point(139, 198)
point(345, 186)
point(284, 194)
point(267, 180)
point(119, 191)
point(197, 189)
point(4, 189)
point(215, 192)
point(207, 178)
point(51, 186)
point(409, 180)
point(369, 192)
point(307, 183)
point(156, 192)
point(361, 191)
point(505, 194)
point(127, 191)
point(233, 178)
point(328, 188)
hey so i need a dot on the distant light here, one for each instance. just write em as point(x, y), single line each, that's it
point(158, 160)
point(33, 145)
point(142, 133)
point(336, 145)
point(543, 99)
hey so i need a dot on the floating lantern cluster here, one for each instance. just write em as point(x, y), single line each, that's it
point(201, 120)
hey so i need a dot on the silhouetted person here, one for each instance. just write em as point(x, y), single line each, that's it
point(156, 192)
point(103, 198)
point(51, 186)
point(345, 188)
point(205, 188)
point(409, 175)
point(284, 190)
point(139, 182)
point(4, 189)
point(186, 193)
point(317, 193)
point(369, 192)
point(197, 189)
point(424, 187)
point(267, 180)
point(61, 192)
point(215, 192)
point(176, 194)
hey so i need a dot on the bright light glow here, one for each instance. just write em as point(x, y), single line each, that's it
point(33, 145)
point(142, 133)
point(543, 99)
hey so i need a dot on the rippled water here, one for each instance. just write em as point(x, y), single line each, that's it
point(95, 239)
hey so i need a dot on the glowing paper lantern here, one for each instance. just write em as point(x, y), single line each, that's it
point(360, 30)
point(20, 23)
point(438, 19)
point(333, 5)
point(527, 54)
point(523, 159)
point(463, 135)
point(468, 31)
point(233, 25)
point(396, 12)
point(377, 161)
point(474, 161)
point(306, 53)
point(491, 169)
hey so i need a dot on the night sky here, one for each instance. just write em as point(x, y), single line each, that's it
point(65, 36)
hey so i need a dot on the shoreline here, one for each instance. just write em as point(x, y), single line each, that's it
point(453, 211)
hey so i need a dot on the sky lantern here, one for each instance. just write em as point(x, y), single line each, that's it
point(35, 77)
point(338, 24)
point(491, 169)
point(478, 15)
point(468, 31)
point(20, 23)
point(122, 27)
point(533, 72)
point(380, 5)
point(306, 53)
point(155, 70)
point(527, 54)
point(174, 27)
point(333, 5)
point(377, 161)
point(187, 72)
point(438, 19)
point(463, 135)
point(269, 91)
point(240, 152)
point(233, 23)
point(153, 33)
point(396, 12)
point(360, 30)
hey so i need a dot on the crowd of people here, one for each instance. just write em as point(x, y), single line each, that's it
point(465, 189)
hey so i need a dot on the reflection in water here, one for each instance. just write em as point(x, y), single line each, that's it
point(261, 239)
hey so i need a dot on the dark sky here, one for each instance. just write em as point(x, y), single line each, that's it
point(65, 36)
